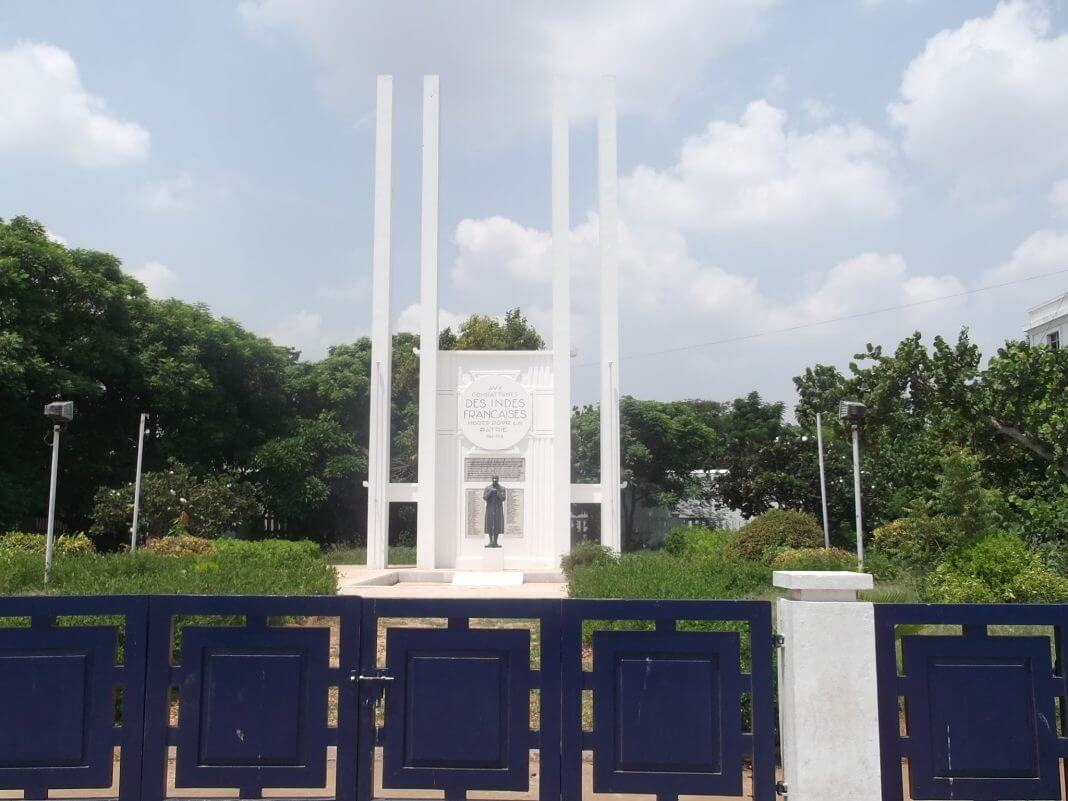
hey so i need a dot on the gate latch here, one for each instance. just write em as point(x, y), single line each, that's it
point(377, 684)
point(777, 641)
point(780, 789)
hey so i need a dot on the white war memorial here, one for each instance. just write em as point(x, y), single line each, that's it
point(486, 415)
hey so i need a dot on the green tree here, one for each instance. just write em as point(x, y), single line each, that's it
point(67, 328)
point(662, 445)
point(479, 332)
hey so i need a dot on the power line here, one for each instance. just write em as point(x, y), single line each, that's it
point(829, 320)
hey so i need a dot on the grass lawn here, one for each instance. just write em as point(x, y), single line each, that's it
point(357, 555)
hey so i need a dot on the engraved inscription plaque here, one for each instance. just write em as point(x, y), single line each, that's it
point(475, 517)
point(484, 468)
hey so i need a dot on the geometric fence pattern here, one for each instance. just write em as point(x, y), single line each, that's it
point(170, 696)
point(243, 699)
point(675, 712)
point(978, 714)
point(72, 674)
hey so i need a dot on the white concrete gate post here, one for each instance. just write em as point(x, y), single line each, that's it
point(828, 707)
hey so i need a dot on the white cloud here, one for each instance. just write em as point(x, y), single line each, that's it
point(173, 194)
point(491, 246)
point(983, 102)
point(158, 278)
point(45, 111)
point(759, 172)
point(496, 58)
point(1058, 199)
point(1042, 252)
point(408, 319)
point(303, 331)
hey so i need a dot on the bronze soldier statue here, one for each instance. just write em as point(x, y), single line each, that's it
point(494, 496)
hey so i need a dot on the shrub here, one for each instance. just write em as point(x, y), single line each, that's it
point(696, 541)
point(661, 575)
point(881, 566)
point(777, 528)
point(585, 553)
point(175, 498)
point(997, 569)
point(814, 559)
point(179, 545)
point(919, 538)
point(269, 567)
point(64, 545)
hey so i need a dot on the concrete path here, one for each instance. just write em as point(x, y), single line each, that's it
point(371, 583)
point(410, 583)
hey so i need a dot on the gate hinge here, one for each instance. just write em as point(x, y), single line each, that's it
point(777, 641)
point(780, 787)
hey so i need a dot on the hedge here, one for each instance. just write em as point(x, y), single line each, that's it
point(234, 567)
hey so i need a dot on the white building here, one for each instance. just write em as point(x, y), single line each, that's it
point(1048, 322)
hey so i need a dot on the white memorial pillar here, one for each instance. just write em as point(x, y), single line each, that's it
point(426, 515)
point(381, 339)
point(608, 194)
point(561, 333)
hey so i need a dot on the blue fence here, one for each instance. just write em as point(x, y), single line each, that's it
point(170, 696)
point(972, 701)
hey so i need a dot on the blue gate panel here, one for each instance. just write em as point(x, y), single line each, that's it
point(58, 696)
point(253, 707)
point(667, 704)
point(458, 699)
point(659, 715)
point(58, 684)
point(252, 700)
point(460, 708)
point(980, 710)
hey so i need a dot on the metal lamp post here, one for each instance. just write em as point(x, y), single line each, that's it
point(853, 413)
point(137, 482)
point(823, 482)
point(60, 413)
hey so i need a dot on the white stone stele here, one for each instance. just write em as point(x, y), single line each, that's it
point(828, 710)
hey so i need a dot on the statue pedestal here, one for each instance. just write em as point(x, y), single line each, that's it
point(492, 559)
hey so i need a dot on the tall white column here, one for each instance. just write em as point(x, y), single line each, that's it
point(608, 193)
point(561, 220)
point(828, 706)
point(425, 551)
point(381, 339)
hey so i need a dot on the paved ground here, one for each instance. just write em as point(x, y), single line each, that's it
point(328, 791)
point(350, 578)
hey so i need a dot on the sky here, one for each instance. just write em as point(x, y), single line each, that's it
point(796, 178)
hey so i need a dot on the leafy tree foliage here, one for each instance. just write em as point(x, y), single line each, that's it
point(174, 499)
point(663, 444)
point(478, 332)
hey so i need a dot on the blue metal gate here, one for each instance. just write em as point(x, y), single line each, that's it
point(972, 709)
point(355, 698)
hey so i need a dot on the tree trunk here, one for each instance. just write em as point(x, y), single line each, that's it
point(1032, 444)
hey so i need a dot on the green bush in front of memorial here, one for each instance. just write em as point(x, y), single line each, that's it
point(761, 537)
point(999, 568)
point(229, 567)
point(663, 575)
point(697, 541)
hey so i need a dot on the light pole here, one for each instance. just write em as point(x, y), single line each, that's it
point(60, 413)
point(137, 482)
point(853, 413)
point(823, 482)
